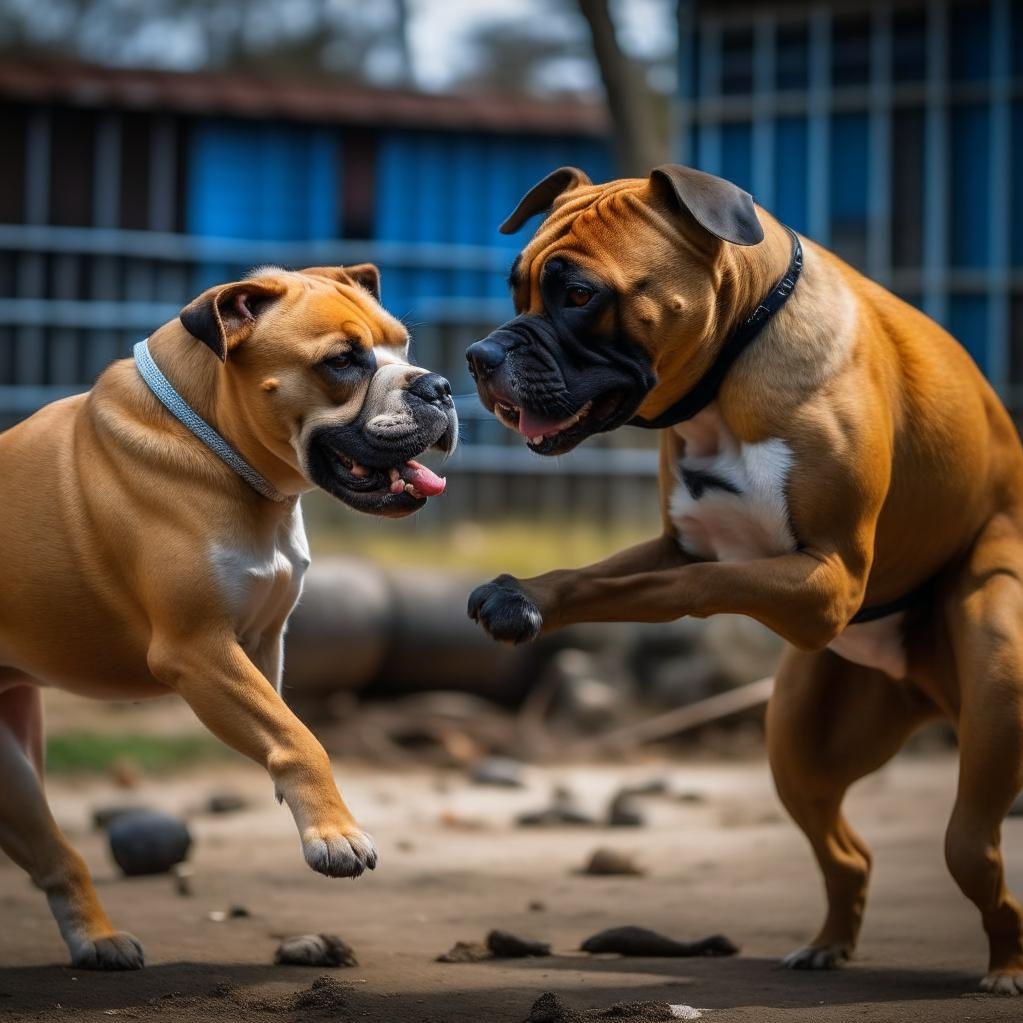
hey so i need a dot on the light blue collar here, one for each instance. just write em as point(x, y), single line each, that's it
point(184, 413)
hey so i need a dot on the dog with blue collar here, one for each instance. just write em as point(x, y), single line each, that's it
point(153, 543)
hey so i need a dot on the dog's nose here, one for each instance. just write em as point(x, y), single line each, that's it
point(484, 357)
point(431, 388)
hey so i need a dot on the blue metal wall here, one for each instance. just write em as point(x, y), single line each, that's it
point(267, 182)
point(892, 133)
point(453, 188)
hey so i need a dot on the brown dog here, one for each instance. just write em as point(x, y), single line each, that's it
point(136, 562)
point(832, 464)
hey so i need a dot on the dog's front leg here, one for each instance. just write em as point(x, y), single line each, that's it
point(806, 598)
point(518, 610)
point(237, 703)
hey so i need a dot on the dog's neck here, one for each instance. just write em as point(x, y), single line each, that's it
point(744, 278)
point(196, 375)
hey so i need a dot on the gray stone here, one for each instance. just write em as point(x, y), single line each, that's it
point(148, 842)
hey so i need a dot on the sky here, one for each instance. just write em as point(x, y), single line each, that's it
point(439, 30)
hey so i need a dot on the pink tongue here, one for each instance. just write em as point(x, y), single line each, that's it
point(426, 481)
point(533, 426)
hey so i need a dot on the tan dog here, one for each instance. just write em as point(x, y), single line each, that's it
point(136, 562)
point(833, 465)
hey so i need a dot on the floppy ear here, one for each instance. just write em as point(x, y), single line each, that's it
point(718, 206)
point(366, 275)
point(223, 316)
point(540, 198)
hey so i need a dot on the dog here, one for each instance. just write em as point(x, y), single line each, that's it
point(832, 464)
point(153, 543)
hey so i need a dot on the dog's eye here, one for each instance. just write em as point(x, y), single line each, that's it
point(338, 361)
point(578, 296)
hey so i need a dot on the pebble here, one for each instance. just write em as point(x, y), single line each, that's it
point(606, 862)
point(624, 812)
point(466, 952)
point(315, 950)
point(226, 802)
point(509, 946)
point(562, 811)
point(501, 772)
point(640, 941)
point(148, 842)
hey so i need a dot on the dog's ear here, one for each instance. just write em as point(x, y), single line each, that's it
point(366, 275)
point(540, 198)
point(223, 316)
point(718, 206)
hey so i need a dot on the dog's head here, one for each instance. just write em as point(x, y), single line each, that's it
point(615, 294)
point(318, 372)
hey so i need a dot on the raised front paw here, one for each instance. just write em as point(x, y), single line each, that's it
point(504, 611)
point(338, 853)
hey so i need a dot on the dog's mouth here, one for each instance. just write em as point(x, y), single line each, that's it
point(547, 436)
point(393, 492)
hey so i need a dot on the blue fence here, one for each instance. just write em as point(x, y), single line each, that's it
point(890, 132)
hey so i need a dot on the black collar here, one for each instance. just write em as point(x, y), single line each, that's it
point(707, 387)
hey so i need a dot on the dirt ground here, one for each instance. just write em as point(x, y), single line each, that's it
point(726, 861)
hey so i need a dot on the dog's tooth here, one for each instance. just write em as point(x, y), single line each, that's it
point(536, 440)
point(394, 474)
point(397, 486)
point(359, 470)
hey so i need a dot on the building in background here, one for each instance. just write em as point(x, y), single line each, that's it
point(123, 193)
point(890, 131)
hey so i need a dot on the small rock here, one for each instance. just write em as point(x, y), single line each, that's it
point(504, 945)
point(639, 941)
point(226, 802)
point(218, 916)
point(501, 772)
point(536, 906)
point(607, 862)
point(238, 913)
point(315, 950)
point(562, 811)
point(466, 952)
point(691, 797)
point(548, 1009)
point(148, 842)
point(624, 811)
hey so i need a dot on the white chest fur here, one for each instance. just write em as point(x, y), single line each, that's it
point(261, 585)
point(729, 504)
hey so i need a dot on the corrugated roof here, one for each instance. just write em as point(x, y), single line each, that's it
point(89, 85)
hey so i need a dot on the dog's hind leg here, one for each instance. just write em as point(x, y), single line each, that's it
point(986, 628)
point(829, 723)
point(30, 836)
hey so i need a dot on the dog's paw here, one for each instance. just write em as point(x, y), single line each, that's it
point(339, 853)
point(504, 611)
point(1003, 982)
point(816, 957)
point(117, 951)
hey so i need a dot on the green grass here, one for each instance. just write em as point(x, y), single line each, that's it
point(520, 548)
point(97, 752)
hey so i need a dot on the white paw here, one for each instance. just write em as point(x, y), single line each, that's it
point(1003, 983)
point(816, 957)
point(117, 951)
point(339, 855)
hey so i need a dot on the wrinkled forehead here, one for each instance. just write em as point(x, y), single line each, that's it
point(339, 311)
point(589, 226)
